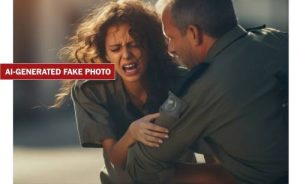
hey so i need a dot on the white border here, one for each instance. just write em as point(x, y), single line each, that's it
point(6, 93)
point(294, 102)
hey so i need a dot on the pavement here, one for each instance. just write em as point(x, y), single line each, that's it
point(47, 151)
point(57, 165)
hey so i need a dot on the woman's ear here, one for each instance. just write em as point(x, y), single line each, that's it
point(194, 35)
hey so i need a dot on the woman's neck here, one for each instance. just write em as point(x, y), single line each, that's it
point(137, 93)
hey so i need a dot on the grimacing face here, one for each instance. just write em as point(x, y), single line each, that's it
point(127, 55)
point(178, 44)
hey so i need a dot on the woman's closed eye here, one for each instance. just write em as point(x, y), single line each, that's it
point(115, 48)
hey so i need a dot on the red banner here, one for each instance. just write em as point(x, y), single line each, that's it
point(47, 71)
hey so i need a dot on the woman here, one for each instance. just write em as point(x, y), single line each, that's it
point(128, 34)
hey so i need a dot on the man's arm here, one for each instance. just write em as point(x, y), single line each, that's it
point(188, 118)
point(154, 165)
point(158, 166)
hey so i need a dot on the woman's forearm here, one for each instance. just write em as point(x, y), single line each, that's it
point(117, 150)
point(141, 130)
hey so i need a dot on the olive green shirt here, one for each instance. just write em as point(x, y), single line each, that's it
point(234, 106)
point(104, 110)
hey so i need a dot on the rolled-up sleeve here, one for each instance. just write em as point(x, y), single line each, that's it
point(155, 165)
point(93, 120)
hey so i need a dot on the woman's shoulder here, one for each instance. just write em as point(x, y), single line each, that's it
point(98, 89)
point(82, 84)
point(87, 84)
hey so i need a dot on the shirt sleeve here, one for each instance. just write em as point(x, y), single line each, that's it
point(232, 107)
point(182, 117)
point(92, 118)
point(156, 165)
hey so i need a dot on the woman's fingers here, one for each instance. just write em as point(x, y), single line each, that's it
point(156, 134)
point(154, 127)
point(148, 133)
point(151, 117)
point(150, 144)
point(153, 139)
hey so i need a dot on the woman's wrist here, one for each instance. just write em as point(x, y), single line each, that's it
point(129, 138)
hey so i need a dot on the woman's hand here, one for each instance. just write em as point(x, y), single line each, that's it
point(148, 133)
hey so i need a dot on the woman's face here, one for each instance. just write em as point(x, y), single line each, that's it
point(127, 55)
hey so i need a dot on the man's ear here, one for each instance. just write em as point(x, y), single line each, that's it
point(194, 35)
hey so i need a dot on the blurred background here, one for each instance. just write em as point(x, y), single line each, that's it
point(46, 145)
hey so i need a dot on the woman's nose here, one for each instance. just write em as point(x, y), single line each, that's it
point(126, 54)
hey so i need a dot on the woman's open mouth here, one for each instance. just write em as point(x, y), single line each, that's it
point(130, 69)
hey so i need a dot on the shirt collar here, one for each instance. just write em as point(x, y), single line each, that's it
point(226, 40)
point(221, 44)
point(151, 105)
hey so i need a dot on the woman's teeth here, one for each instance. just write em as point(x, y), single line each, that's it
point(132, 66)
point(129, 66)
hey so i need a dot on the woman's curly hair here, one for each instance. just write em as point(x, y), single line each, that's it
point(88, 43)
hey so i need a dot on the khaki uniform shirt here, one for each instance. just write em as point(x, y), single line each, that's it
point(234, 106)
point(103, 110)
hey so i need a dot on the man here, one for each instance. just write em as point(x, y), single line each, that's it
point(232, 104)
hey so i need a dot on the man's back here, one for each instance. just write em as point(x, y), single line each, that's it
point(234, 105)
point(244, 94)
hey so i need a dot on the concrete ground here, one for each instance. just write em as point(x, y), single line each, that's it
point(57, 165)
point(47, 151)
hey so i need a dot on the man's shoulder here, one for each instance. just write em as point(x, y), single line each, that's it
point(264, 31)
point(269, 36)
